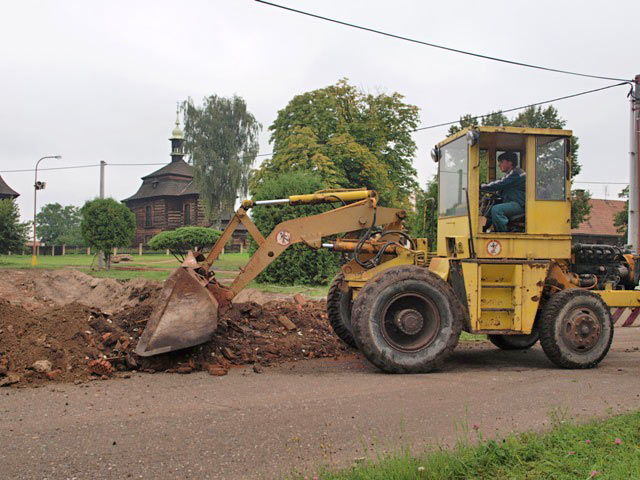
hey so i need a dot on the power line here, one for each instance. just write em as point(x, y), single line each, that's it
point(586, 92)
point(50, 168)
point(442, 47)
point(427, 127)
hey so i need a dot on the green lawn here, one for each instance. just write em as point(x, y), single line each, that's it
point(605, 449)
point(153, 267)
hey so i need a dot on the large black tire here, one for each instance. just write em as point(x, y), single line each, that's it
point(576, 330)
point(514, 342)
point(407, 320)
point(339, 303)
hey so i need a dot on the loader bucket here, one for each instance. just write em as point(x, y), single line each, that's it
point(186, 315)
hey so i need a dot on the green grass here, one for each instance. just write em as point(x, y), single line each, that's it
point(605, 449)
point(472, 337)
point(307, 290)
point(157, 267)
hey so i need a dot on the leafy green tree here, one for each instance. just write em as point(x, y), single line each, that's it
point(621, 218)
point(107, 223)
point(538, 117)
point(221, 139)
point(13, 234)
point(423, 221)
point(183, 239)
point(58, 225)
point(298, 264)
point(349, 138)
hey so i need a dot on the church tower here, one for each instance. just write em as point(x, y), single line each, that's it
point(177, 141)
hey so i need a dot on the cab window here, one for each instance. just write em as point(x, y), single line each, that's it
point(550, 168)
point(453, 171)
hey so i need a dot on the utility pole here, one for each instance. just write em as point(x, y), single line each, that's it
point(635, 141)
point(101, 253)
point(633, 231)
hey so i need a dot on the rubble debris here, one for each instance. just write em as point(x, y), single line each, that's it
point(101, 367)
point(10, 379)
point(82, 340)
point(42, 366)
point(286, 323)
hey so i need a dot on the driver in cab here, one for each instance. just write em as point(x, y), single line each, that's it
point(512, 189)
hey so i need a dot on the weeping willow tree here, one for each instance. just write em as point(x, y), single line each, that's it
point(221, 140)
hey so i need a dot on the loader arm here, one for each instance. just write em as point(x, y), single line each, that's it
point(187, 313)
point(308, 230)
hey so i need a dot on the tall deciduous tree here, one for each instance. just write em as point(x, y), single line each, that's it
point(107, 223)
point(221, 139)
point(13, 234)
point(58, 224)
point(621, 218)
point(538, 117)
point(298, 264)
point(349, 138)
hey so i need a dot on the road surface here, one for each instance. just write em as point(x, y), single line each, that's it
point(297, 416)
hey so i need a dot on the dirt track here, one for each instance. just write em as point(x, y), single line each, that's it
point(248, 425)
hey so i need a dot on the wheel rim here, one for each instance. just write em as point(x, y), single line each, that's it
point(410, 322)
point(581, 330)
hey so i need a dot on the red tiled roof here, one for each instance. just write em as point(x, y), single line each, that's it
point(601, 218)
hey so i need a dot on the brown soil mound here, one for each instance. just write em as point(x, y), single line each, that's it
point(52, 329)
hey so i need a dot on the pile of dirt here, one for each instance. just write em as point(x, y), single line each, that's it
point(38, 288)
point(87, 327)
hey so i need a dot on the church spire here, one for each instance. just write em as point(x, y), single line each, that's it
point(177, 139)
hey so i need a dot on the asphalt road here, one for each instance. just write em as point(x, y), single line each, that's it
point(248, 425)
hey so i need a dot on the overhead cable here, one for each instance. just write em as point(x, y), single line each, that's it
point(442, 47)
point(586, 92)
point(427, 127)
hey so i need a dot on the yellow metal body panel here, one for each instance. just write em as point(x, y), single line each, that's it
point(503, 297)
point(620, 298)
point(357, 276)
point(440, 266)
point(451, 227)
point(522, 245)
point(546, 216)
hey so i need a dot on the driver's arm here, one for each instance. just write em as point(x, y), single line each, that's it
point(509, 180)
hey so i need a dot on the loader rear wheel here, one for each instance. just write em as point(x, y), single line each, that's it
point(407, 320)
point(339, 303)
point(576, 330)
point(514, 342)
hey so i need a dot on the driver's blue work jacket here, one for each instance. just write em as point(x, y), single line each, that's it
point(512, 187)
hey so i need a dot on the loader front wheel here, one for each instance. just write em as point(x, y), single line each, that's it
point(514, 342)
point(339, 303)
point(576, 330)
point(407, 320)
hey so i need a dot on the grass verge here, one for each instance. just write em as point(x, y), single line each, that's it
point(604, 449)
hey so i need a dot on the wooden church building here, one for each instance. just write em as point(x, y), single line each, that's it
point(6, 191)
point(168, 198)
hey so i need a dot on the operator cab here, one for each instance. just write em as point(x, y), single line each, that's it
point(469, 176)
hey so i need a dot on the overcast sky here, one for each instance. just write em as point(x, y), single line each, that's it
point(98, 81)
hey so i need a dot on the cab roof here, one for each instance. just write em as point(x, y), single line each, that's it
point(516, 130)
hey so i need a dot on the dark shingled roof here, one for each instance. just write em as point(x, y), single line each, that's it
point(601, 218)
point(180, 168)
point(172, 180)
point(6, 190)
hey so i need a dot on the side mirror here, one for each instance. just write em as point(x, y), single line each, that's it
point(472, 137)
point(435, 154)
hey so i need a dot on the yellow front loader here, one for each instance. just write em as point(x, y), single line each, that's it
point(404, 306)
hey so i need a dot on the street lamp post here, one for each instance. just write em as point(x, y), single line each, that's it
point(37, 186)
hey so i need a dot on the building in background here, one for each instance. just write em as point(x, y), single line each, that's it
point(599, 228)
point(6, 191)
point(168, 198)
